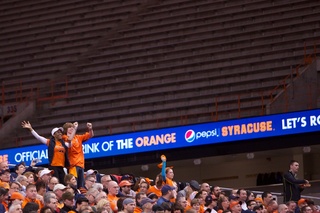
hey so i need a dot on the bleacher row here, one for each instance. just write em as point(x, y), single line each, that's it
point(135, 65)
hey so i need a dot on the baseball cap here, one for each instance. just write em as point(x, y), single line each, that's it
point(127, 201)
point(234, 203)
point(166, 188)
point(91, 171)
point(5, 185)
point(16, 195)
point(59, 186)
point(46, 172)
point(146, 200)
point(56, 129)
point(208, 200)
point(301, 201)
point(194, 185)
point(124, 183)
point(233, 197)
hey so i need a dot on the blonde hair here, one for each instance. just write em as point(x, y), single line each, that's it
point(66, 126)
point(102, 203)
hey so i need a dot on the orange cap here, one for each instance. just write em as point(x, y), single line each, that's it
point(16, 195)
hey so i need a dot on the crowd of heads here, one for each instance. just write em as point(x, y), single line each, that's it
point(38, 190)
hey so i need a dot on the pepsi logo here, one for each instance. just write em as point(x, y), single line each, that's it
point(190, 135)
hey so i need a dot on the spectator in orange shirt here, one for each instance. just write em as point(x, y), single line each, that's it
point(113, 190)
point(31, 196)
point(57, 149)
point(75, 151)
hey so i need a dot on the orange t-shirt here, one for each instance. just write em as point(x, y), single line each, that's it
point(153, 189)
point(75, 152)
point(137, 210)
point(113, 202)
point(28, 200)
point(58, 158)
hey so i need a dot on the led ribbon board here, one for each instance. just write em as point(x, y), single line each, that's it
point(182, 137)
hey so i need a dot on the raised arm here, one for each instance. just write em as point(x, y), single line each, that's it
point(90, 130)
point(163, 169)
point(27, 125)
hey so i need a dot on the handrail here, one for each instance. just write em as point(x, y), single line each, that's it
point(307, 59)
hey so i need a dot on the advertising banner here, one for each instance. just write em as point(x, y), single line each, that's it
point(182, 136)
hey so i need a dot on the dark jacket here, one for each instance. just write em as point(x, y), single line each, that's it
point(291, 187)
point(51, 146)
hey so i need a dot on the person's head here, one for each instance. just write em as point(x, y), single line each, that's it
point(223, 202)
point(30, 176)
point(101, 195)
point(201, 195)
point(169, 173)
point(302, 202)
point(258, 209)
point(147, 204)
point(272, 206)
point(195, 204)
point(242, 193)
point(235, 206)
point(176, 208)
point(103, 204)
point(30, 207)
point(22, 180)
point(206, 187)
point(3, 194)
point(291, 205)
point(15, 208)
point(59, 189)
point(294, 166)
point(45, 175)
point(20, 168)
point(143, 187)
point(251, 204)
point(158, 181)
point(41, 187)
point(91, 196)
point(81, 202)
point(250, 195)
point(5, 175)
point(68, 128)
point(283, 208)
point(14, 187)
point(31, 191)
point(57, 133)
point(266, 197)
point(166, 207)
point(125, 186)
point(167, 191)
point(98, 186)
point(4, 165)
point(139, 197)
point(70, 179)
point(46, 209)
point(105, 179)
point(182, 201)
point(211, 201)
point(216, 191)
point(129, 205)
point(89, 181)
point(68, 199)
point(306, 209)
point(52, 182)
point(50, 199)
point(113, 188)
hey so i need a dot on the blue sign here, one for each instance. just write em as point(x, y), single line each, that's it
point(182, 137)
